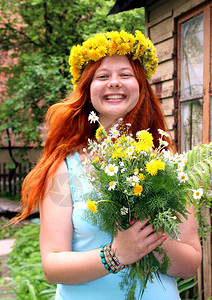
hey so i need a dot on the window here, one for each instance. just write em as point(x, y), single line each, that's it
point(194, 78)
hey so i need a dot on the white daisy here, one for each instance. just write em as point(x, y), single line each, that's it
point(130, 150)
point(92, 118)
point(182, 177)
point(162, 132)
point(124, 210)
point(112, 185)
point(168, 155)
point(121, 164)
point(197, 194)
point(114, 132)
point(111, 169)
point(163, 143)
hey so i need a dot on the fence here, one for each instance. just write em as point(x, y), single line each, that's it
point(11, 179)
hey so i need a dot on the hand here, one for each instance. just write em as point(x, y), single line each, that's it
point(137, 241)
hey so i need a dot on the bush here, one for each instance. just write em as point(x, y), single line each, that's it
point(27, 280)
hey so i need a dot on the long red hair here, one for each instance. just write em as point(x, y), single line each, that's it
point(68, 131)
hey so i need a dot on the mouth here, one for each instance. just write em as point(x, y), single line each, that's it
point(115, 97)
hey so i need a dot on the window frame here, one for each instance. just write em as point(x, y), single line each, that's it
point(206, 10)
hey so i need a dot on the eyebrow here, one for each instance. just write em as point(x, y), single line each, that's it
point(108, 69)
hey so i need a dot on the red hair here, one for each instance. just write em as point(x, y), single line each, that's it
point(69, 130)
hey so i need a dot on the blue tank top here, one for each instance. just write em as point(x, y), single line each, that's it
point(87, 237)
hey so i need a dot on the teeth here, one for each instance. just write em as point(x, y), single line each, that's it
point(114, 97)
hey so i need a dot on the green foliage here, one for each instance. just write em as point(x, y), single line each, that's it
point(39, 35)
point(27, 279)
point(198, 168)
point(7, 231)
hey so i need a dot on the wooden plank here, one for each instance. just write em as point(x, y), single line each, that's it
point(166, 89)
point(159, 8)
point(181, 7)
point(162, 31)
point(165, 50)
point(164, 71)
point(170, 122)
point(199, 277)
point(207, 277)
point(159, 19)
point(168, 106)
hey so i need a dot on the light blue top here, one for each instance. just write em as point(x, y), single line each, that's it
point(87, 237)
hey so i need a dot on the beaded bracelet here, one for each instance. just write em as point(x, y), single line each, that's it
point(109, 260)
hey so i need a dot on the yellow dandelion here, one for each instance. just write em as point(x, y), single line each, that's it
point(101, 51)
point(93, 55)
point(119, 153)
point(96, 159)
point(92, 206)
point(155, 165)
point(137, 189)
point(123, 49)
point(100, 132)
point(141, 176)
point(112, 49)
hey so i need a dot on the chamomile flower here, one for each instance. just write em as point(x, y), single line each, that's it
point(111, 169)
point(183, 177)
point(168, 155)
point(92, 118)
point(124, 210)
point(163, 143)
point(130, 150)
point(114, 132)
point(197, 194)
point(121, 164)
point(162, 132)
point(112, 185)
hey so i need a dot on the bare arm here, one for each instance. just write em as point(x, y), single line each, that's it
point(60, 263)
point(185, 255)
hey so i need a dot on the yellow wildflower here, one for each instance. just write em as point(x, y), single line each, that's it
point(136, 171)
point(92, 206)
point(118, 153)
point(155, 165)
point(123, 49)
point(100, 132)
point(96, 159)
point(141, 176)
point(137, 189)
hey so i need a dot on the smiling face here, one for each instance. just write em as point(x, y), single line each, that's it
point(114, 89)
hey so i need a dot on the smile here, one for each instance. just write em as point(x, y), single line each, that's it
point(114, 97)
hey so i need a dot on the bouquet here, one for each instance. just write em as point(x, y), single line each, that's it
point(132, 180)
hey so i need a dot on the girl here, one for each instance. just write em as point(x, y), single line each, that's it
point(110, 73)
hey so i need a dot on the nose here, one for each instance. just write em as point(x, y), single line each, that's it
point(114, 82)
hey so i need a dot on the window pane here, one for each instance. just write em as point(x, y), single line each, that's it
point(191, 124)
point(191, 80)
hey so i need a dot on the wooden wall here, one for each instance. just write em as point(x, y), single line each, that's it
point(161, 27)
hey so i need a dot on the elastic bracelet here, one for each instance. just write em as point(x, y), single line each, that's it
point(109, 260)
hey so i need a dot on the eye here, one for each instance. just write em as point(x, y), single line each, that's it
point(126, 75)
point(101, 76)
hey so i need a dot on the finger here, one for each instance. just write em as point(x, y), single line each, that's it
point(140, 224)
point(156, 243)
